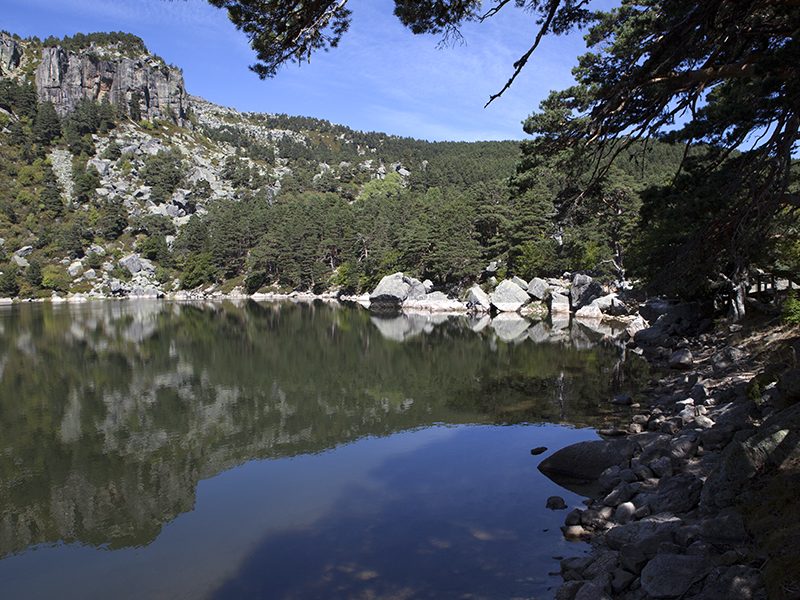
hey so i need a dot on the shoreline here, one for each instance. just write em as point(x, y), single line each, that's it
point(670, 517)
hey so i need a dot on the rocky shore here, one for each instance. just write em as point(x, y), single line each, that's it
point(675, 497)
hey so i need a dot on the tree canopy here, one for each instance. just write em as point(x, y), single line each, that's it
point(718, 74)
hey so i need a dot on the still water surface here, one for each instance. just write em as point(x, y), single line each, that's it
point(244, 450)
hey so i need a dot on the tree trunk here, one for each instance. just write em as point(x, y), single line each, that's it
point(740, 284)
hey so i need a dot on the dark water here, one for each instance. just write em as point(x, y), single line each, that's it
point(227, 451)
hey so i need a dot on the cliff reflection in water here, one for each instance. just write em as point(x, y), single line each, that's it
point(112, 412)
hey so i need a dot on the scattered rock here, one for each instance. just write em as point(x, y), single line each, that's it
point(681, 359)
point(556, 503)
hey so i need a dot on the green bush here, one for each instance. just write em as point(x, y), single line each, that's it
point(791, 310)
point(55, 279)
point(93, 261)
point(121, 272)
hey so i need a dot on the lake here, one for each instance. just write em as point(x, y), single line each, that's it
point(233, 450)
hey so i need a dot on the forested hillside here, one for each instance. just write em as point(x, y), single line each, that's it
point(103, 198)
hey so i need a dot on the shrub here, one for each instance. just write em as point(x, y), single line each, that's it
point(55, 279)
point(791, 310)
point(93, 261)
point(121, 272)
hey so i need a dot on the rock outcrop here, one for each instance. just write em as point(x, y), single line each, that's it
point(64, 78)
point(10, 54)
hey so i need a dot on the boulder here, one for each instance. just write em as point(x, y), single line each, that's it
point(556, 503)
point(635, 325)
point(681, 359)
point(101, 165)
point(75, 268)
point(656, 335)
point(789, 385)
point(132, 262)
point(777, 440)
point(477, 299)
point(20, 261)
point(610, 304)
point(508, 297)
point(416, 290)
point(537, 288)
point(583, 291)
point(658, 527)
point(622, 400)
point(590, 591)
point(671, 575)
point(434, 302)
point(677, 494)
point(392, 290)
point(520, 282)
point(737, 582)
point(559, 304)
point(589, 312)
point(588, 460)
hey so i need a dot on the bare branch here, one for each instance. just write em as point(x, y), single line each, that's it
point(554, 4)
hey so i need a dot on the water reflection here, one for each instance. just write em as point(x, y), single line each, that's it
point(113, 413)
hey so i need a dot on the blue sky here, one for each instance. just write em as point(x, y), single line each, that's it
point(380, 78)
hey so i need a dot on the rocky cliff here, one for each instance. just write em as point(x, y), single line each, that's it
point(10, 54)
point(64, 78)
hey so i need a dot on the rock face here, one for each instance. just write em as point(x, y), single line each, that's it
point(64, 78)
point(10, 54)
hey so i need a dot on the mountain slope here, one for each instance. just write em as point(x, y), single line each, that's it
point(112, 183)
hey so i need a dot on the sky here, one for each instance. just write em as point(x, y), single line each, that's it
point(381, 77)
